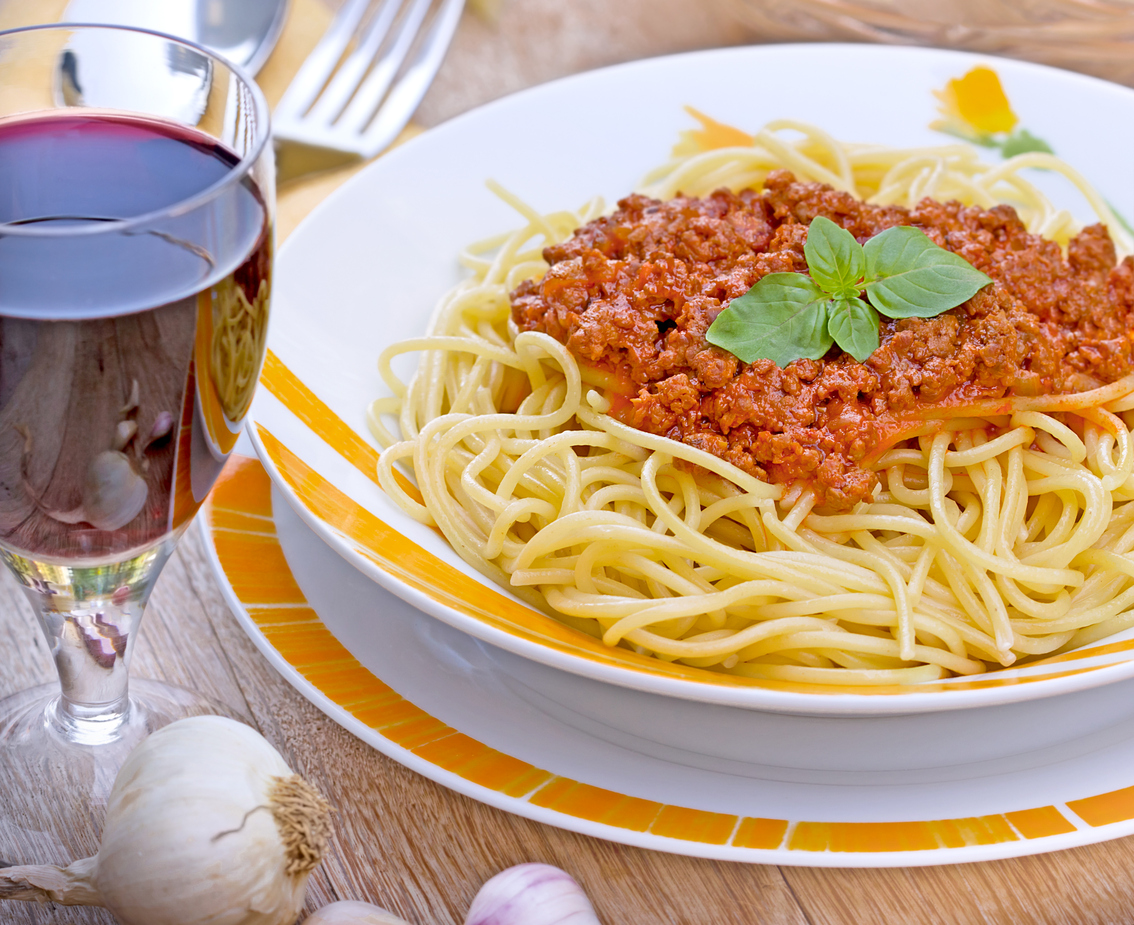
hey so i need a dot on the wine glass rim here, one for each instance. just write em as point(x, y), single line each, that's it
point(237, 173)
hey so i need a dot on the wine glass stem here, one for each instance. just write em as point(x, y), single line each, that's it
point(90, 615)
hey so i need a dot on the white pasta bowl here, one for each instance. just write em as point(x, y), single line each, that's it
point(367, 267)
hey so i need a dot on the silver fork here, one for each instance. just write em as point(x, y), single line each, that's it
point(323, 121)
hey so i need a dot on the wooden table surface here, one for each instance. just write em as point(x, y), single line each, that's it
point(409, 844)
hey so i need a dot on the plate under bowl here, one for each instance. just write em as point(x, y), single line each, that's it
point(454, 709)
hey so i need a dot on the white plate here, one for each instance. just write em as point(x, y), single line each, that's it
point(368, 265)
point(451, 708)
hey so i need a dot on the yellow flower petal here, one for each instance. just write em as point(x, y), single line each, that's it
point(711, 135)
point(979, 100)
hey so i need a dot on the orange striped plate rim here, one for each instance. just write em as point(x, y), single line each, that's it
point(239, 518)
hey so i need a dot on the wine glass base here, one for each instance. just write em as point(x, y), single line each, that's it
point(55, 789)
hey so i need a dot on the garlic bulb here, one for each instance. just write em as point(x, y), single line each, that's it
point(124, 433)
point(348, 912)
point(205, 824)
point(531, 894)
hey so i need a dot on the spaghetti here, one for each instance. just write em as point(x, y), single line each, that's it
point(1000, 529)
point(240, 332)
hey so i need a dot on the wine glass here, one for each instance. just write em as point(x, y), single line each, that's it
point(137, 199)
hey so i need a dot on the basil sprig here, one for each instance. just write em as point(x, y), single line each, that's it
point(792, 316)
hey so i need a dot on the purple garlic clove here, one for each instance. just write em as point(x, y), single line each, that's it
point(163, 424)
point(531, 894)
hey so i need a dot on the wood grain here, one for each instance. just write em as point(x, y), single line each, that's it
point(418, 849)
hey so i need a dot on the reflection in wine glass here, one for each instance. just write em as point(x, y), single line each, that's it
point(135, 280)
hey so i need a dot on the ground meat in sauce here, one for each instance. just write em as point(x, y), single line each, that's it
point(635, 292)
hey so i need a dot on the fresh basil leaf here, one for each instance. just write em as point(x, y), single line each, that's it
point(854, 326)
point(834, 258)
point(908, 276)
point(782, 318)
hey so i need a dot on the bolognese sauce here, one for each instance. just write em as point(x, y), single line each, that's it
point(633, 293)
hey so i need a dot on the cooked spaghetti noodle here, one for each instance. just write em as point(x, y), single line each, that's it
point(1000, 529)
point(240, 331)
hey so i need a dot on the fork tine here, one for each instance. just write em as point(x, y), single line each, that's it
point(369, 95)
point(386, 89)
point(338, 93)
point(403, 100)
point(320, 64)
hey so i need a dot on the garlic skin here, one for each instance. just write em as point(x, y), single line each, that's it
point(531, 894)
point(349, 912)
point(132, 400)
point(205, 825)
point(124, 433)
point(114, 494)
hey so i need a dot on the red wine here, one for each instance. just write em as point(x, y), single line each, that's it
point(134, 281)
